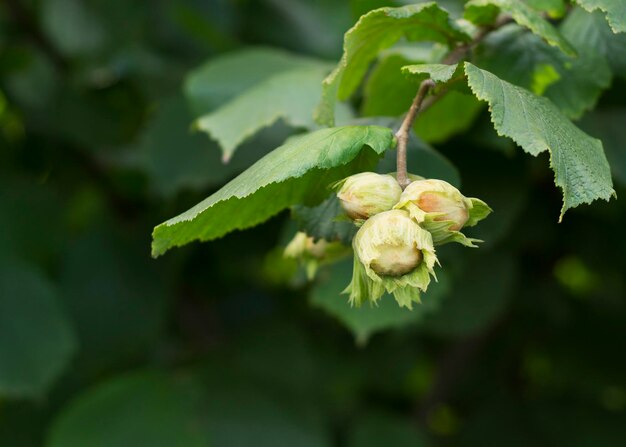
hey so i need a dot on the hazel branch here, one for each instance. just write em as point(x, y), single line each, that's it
point(422, 101)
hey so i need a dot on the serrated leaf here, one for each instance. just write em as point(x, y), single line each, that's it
point(578, 160)
point(483, 12)
point(296, 172)
point(615, 12)
point(368, 319)
point(145, 408)
point(222, 78)
point(290, 95)
point(375, 31)
point(36, 337)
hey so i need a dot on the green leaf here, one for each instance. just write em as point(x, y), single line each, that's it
point(390, 89)
point(580, 167)
point(592, 32)
point(290, 95)
point(453, 114)
point(585, 77)
point(554, 8)
point(223, 78)
point(72, 26)
point(139, 409)
point(375, 31)
point(608, 126)
point(297, 172)
point(437, 72)
point(614, 9)
point(324, 221)
point(484, 12)
point(574, 84)
point(36, 338)
point(368, 319)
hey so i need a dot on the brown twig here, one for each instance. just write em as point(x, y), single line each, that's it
point(422, 101)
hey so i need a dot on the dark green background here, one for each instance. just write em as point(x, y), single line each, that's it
point(212, 344)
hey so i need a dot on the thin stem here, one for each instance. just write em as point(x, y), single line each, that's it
point(421, 102)
point(403, 133)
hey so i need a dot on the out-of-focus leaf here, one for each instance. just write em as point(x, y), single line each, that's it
point(118, 305)
point(452, 114)
point(580, 167)
point(36, 337)
point(376, 31)
point(72, 26)
point(238, 414)
point(582, 78)
point(554, 8)
point(614, 10)
point(176, 158)
point(366, 320)
point(374, 430)
point(609, 126)
point(390, 90)
point(290, 95)
point(291, 174)
point(30, 220)
point(483, 12)
point(222, 78)
point(139, 409)
point(478, 296)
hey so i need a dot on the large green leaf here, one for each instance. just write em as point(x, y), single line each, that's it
point(366, 320)
point(484, 12)
point(140, 409)
point(36, 338)
point(615, 12)
point(222, 78)
point(375, 31)
point(290, 95)
point(578, 160)
point(299, 171)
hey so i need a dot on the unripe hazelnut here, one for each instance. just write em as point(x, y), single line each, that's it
point(440, 198)
point(367, 194)
point(386, 243)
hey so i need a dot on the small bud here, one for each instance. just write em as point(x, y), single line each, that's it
point(391, 253)
point(366, 194)
point(311, 254)
point(441, 209)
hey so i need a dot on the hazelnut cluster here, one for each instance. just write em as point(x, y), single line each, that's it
point(394, 248)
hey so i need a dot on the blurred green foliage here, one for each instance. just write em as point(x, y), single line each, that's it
point(520, 342)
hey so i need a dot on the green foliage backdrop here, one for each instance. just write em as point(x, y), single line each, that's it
point(117, 115)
